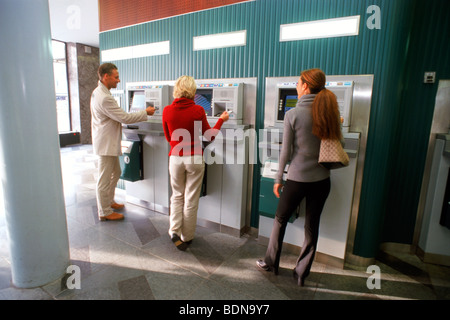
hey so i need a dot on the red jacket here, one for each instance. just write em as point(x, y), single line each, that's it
point(183, 121)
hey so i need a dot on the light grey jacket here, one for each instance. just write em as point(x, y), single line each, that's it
point(107, 119)
point(300, 146)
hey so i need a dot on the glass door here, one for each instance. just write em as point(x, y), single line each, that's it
point(61, 86)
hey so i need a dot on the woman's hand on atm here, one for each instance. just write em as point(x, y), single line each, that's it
point(277, 187)
point(150, 110)
point(224, 116)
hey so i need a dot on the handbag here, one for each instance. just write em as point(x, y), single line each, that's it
point(332, 155)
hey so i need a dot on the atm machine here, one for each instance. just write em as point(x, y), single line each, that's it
point(145, 94)
point(225, 203)
point(338, 220)
point(433, 232)
point(152, 190)
point(217, 97)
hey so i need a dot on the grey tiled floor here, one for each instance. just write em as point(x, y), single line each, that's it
point(135, 259)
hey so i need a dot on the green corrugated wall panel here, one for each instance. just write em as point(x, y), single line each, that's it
point(379, 52)
point(429, 51)
point(224, 63)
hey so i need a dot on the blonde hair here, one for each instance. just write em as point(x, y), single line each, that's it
point(186, 87)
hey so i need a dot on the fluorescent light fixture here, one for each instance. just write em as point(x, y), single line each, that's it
point(139, 51)
point(329, 28)
point(220, 40)
point(117, 54)
point(151, 49)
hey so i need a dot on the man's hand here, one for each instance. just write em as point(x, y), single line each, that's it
point(150, 111)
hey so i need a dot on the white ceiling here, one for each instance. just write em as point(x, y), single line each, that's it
point(75, 21)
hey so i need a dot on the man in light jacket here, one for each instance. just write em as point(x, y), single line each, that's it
point(107, 119)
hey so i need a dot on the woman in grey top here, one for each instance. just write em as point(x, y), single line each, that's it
point(315, 117)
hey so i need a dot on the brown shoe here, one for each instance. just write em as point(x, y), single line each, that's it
point(112, 217)
point(117, 206)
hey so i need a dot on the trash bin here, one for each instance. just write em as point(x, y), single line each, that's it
point(131, 160)
point(268, 202)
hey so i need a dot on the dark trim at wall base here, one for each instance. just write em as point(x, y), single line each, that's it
point(69, 138)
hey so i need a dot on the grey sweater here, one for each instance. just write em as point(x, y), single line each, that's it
point(300, 146)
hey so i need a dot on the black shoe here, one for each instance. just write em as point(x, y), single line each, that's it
point(178, 243)
point(264, 266)
point(300, 281)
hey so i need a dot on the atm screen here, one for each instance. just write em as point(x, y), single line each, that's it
point(138, 101)
point(288, 100)
point(203, 97)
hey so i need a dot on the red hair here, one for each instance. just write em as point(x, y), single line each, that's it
point(325, 108)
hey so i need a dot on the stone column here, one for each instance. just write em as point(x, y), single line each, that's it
point(30, 166)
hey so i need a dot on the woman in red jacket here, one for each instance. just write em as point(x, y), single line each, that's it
point(184, 124)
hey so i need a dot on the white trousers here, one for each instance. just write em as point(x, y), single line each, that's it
point(108, 175)
point(186, 176)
